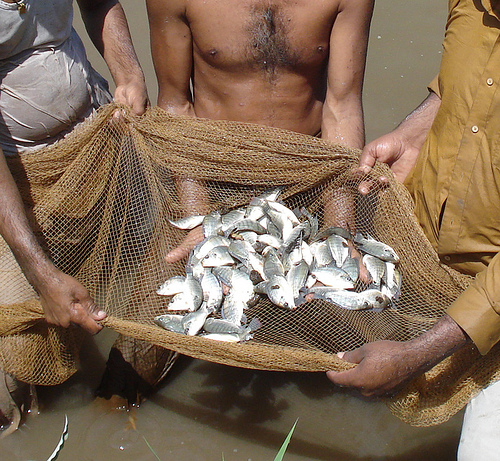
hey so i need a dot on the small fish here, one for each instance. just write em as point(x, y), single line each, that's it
point(339, 248)
point(171, 322)
point(270, 240)
point(324, 234)
point(377, 299)
point(188, 223)
point(190, 299)
point(321, 253)
point(172, 286)
point(333, 276)
point(246, 225)
point(218, 256)
point(214, 325)
point(245, 334)
point(212, 224)
point(297, 277)
point(280, 292)
point(212, 290)
point(375, 248)
point(351, 267)
point(375, 267)
point(232, 309)
point(193, 322)
point(272, 263)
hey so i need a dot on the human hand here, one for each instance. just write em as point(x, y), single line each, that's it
point(392, 149)
point(65, 301)
point(383, 368)
point(193, 237)
point(134, 95)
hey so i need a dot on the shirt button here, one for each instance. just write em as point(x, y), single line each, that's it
point(446, 258)
point(489, 81)
point(475, 129)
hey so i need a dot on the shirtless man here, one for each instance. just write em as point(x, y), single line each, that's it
point(292, 64)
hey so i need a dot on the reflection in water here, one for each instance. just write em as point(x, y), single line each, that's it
point(204, 411)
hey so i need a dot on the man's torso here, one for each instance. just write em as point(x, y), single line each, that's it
point(261, 61)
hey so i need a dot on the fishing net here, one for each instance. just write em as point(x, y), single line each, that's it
point(104, 198)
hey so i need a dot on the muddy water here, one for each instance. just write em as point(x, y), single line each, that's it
point(205, 411)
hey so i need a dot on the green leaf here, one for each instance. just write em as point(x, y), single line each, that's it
point(283, 448)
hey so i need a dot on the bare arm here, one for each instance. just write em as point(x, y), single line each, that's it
point(108, 29)
point(342, 112)
point(400, 148)
point(64, 299)
point(383, 367)
point(172, 51)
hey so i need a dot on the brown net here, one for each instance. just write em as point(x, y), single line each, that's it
point(104, 197)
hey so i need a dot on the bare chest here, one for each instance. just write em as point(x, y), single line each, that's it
point(263, 34)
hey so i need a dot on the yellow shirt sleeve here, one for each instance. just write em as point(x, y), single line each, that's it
point(477, 309)
point(434, 86)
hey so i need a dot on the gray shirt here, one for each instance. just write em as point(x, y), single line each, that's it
point(47, 85)
point(44, 24)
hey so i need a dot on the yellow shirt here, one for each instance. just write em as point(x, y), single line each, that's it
point(456, 181)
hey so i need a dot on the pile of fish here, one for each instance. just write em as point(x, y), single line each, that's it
point(267, 249)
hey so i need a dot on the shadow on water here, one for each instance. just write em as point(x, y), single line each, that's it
point(241, 402)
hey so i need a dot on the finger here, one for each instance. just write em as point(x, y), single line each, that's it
point(96, 313)
point(364, 187)
point(341, 378)
point(367, 158)
point(88, 324)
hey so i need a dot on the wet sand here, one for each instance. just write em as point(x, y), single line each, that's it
point(204, 411)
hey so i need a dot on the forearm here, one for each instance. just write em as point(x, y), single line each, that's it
point(414, 128)
point(343, 123)
point(108, 29)
point(433, 346)
point(16, 230)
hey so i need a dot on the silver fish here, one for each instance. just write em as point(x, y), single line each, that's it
point(270, 240)
point(190, 299)
point(333, 276)
point(232, 309)
point(375, 248)
point(377, 299)
point(212, 290)
point(376, 268)
point(244, 334)
point(246, 225)
point(351, 267)
point(346, 299)
point(322, 254)
point(218, 256)
point(324, 234)
point(212, 224)
point(171, 322)
point(339, 248)
point(231, 218)
point(391, 281)
point(214, 325)
point(172, 286)
point(209, 243)
point(272, 263)
point(280, 292)
point(285, 211)
point(297, 277)
point(193, 322)
point(188, 223)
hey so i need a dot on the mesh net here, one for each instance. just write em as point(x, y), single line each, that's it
point(103, 200)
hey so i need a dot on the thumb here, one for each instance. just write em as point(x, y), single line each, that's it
point(354, 356)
